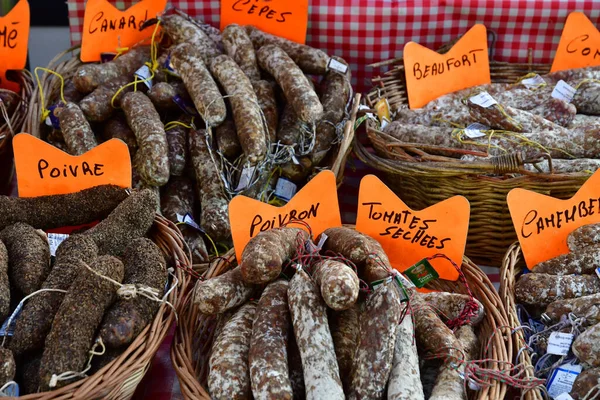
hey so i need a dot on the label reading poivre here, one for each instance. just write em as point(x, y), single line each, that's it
point(409, 236)
point(42, 169)
point(107, 29)
point(430, 75)
point(315, 206)
point(543, 223)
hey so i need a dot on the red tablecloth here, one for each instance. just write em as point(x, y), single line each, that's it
point(367, 31)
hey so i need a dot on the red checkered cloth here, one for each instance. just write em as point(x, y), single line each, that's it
point(368, 31)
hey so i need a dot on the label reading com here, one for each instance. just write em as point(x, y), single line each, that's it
point(483, 99)
point(564, 91)
point(562, 379)
point(560, 343)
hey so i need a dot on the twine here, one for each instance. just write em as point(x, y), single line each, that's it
point(45, 111)
point(68, 375)
point(6, 118)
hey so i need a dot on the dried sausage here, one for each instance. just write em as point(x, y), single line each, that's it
point(238, 46)
point(76, 130)
point(543, 289)
point(222, 293)
point(338, 283)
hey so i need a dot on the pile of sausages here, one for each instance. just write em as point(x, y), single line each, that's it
point(528, 117)
point(567, 287)
point(208, 115)
point(298, 323)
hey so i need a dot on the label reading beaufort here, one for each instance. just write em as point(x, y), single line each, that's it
point(483, 99)
point(560, 343)
point(562, 379)
point(564, 91)
point(54, 240)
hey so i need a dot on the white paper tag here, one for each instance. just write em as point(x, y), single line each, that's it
point(369, 115)
point(563, 396)
point(564, 91)
point(144, 74)
point(337, 66)
point(188, 220)
point(285, 189)
point(474, 131)
point(559, 343)
point(483, 99)
point(54, 240)
point(562, 379)
point(322, 240)
point(245, 178)
point(533, 82)
point(384, 123)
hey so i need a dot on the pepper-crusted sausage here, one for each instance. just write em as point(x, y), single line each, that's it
point(238, 46)
point(152, 155)
point(77, 132)
point(245, 108)
point(214, 219)
point(199, 82)
point(4, 283)
point(293, 82)
point(89, 76)
point(310, 60)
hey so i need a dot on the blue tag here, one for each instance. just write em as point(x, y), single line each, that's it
point(11, 390)
point(6, 330)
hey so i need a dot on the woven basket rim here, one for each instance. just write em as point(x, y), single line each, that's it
point(182, 349)
point(19, 116)
point(119, 378)
point(433, 168)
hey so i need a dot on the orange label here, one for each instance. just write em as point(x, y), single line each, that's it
point(579, 44)
point(543, 222)
point(42, 169)
point(316, 204)
point(408, 236)
point(106, 29)
point(430, 75)
point(14, 37)
point(288, 19)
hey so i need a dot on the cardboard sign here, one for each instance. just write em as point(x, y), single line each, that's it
point(579, 44)
point(430, 75)
point(288, 19)
point(543, 222)
point(315, 204)
point(409, 236)
point(42, 169)
point(107, 29)
point(14, 38)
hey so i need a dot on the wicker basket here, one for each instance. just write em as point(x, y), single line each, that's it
point(119, 378)
point(8, 130)
point(511, 269)
point(194, 336)
point(425, 179)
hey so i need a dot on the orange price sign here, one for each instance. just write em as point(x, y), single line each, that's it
point(288, 19)
point(543, 222)
point(579, 44)
point(409, 236)
point(14, 38)
point(42, 169)
point(316, 204)
point(430, 75)
point(107, 29)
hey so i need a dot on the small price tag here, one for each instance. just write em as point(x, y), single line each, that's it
point(337, 66)
point(245, 178)
point(564, 91)
point(560, 343)
point(188, 220)
point(483, 99)
point(421, 273)
point(534, 82)
point(52, 120)
point(383, 112)
point(285, 189)
point(54, 240)
point(562, 379)
point(474, 131)
point(145, 75)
